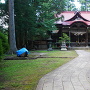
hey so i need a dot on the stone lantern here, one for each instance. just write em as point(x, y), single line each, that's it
point(63, 46)
point(50, 44)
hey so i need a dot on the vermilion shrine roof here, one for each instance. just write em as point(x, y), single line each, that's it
point(70, 17)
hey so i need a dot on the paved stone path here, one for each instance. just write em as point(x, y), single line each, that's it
point(75, 75)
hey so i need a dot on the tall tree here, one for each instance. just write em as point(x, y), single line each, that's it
point(25, 21)
point(12, 27)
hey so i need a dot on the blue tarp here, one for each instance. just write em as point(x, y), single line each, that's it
point(21, 51)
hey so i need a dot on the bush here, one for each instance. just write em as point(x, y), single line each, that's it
point(1, 49)
point(64, 38)
point(4, 41)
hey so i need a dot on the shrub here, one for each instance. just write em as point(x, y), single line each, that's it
point(1, 49)
point(64, 38)
point(5, 45)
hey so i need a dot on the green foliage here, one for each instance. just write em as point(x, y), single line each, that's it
point(70, 6)
point(1, 50)
point(25, 21)
point(5, 45)
point(85, 5)
point(64, 38)
point(3, 14)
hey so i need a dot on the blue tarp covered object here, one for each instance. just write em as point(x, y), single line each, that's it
point(21, 51)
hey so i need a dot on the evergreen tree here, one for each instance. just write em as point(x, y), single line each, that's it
point(5, 45)
point(25, 20)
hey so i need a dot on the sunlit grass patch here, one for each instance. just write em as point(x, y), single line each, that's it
point(63, 54)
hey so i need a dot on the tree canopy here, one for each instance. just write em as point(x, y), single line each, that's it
point(85, 5)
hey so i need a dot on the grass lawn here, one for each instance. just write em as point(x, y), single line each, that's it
point(88, 50)
point(25, 74)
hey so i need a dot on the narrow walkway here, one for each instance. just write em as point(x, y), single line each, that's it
point(75, 75)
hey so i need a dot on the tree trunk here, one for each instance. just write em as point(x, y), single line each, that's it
point(12, 38)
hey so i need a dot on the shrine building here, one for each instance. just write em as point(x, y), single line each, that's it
point(76, 25)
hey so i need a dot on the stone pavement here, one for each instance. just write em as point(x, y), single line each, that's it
point(75, 75)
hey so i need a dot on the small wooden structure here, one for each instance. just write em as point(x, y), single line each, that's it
point(76, 25)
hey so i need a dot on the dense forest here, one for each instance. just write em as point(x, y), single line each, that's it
point(34, 19)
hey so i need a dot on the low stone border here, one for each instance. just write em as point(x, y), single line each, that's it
point(19, 58)
point(29, 58)
point(55, 57)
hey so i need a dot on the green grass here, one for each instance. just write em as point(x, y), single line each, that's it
point(24, 74)
point(63, 54)
point(58, 53)
point(87, 50)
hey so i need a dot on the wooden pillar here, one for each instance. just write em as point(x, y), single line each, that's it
point(87, 37)
point(69, 36)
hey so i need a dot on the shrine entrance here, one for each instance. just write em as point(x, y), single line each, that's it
point(79, 39)
point(79, 34)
